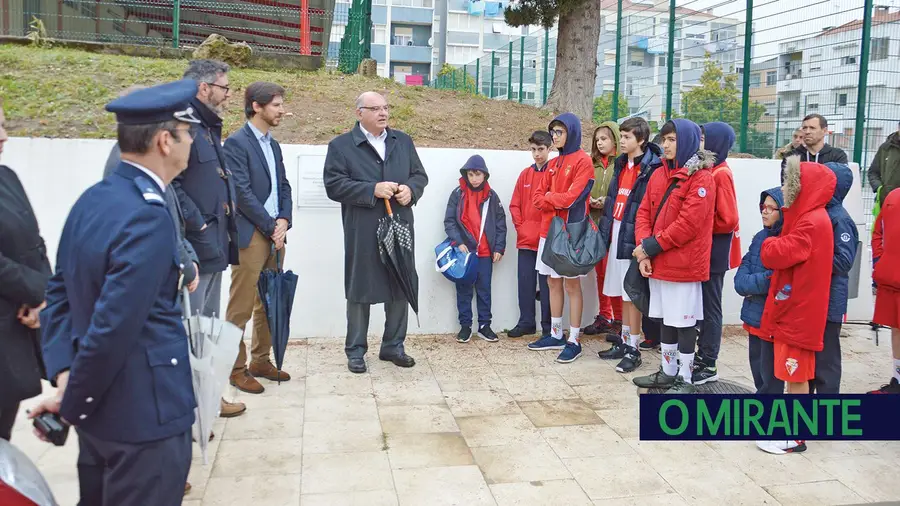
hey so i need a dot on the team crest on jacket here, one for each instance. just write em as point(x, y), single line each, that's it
point(568, 169)
point(791, 365)
point(845, 237)
point(702, 192)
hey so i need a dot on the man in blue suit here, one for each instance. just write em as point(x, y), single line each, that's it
point(263, 218)
point(113, 339)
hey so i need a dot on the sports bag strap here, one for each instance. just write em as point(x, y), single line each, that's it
point(664, 199)
point(484, 213)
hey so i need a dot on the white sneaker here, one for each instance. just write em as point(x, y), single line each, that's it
point(782, 447)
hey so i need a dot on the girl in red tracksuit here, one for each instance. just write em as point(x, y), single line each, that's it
point(886, 257)
point(801, 259)
point(563, 190)
point(527, 220)
point(674, 240)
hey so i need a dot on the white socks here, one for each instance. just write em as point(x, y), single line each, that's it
point(626, 331)
point(573, 334)
point(687, 366)
point(897, 368)
point(633, 340)
point(556, 328)
point(669, 361)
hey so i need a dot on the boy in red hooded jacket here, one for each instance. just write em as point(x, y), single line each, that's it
point(564, 192)
point(800, 258)
point(886, 274)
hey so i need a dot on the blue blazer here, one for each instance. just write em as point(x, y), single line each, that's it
point(253, 184)
point(114, 318)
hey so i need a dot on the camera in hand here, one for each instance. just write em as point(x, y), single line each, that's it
point(52, 427)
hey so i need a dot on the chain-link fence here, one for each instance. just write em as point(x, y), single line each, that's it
point(301, 27)
point(761, 66)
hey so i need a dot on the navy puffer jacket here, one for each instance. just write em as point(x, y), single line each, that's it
point(752, 279)
point(846, 238)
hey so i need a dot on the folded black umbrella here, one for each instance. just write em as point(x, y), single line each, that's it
point(637, 287)
point(395, 248)
point(276, 292)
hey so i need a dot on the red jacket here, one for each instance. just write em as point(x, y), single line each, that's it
point(525, 217)
point(727, 219)
point(565, 179)
point(886, 243)
point(801, 257)
point(680, 239)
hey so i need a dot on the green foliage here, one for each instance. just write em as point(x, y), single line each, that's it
point(603, 107)
point(539, 12)
point(38, 34)
point(759, 144)
point(453, 78)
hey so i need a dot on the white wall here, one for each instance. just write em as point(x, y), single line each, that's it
point(56, 171)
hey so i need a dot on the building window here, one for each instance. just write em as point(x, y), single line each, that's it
point(880, 49)
point(379, 34)
point(771, 78)
point(609, 58)
point(403, 36)
point(848, 60)
point(755, 80)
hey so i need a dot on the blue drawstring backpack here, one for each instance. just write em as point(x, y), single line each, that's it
point(459, 267)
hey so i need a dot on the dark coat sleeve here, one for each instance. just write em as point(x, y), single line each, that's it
point(844, 251)
point(874, 174)
point(841, 156)
point(115, 156)
point(237, 157)
point(56, 328)
point(20, 283)
point(746, 281)
point(340, 185)
point(418, 179)
point(500, 223)
point(451, 226)
point(604, 224)
point(193, 218)
point(186, 254)
point(285, 198)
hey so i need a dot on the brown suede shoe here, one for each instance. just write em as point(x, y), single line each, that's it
point(267, 370)
point(232, 409)
point(246, 383)
point(187, 488)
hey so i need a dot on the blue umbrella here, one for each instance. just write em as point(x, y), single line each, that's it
point(276, 292)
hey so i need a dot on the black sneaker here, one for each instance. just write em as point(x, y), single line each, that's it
point(631, 361)
point(487, 334)
point(891, 388)
point(600, 326)
point(649, 344)
point(464, 335)
point(614, 338)
point(518, 331)
point(704, 375)
point(616, 352)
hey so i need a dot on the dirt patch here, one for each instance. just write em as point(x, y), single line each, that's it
point(61, 93)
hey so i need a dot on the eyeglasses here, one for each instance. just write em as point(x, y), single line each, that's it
point(226, 88)
point(384, 108)
point(767, 209)
point(557, 132)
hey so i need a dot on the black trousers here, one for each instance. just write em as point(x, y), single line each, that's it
point(762, 366)
point(828, 362)
point(7, 420)
point(710, 340)
point(396, 318)
point(652, 329)
point(529, 280)
point(114, 474)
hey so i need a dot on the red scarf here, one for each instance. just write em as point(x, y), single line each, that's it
point(471, 212)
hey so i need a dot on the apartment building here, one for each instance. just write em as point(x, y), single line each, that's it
point(764, 91)
point(820, 74)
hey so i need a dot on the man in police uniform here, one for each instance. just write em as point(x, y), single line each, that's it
point(113, 339)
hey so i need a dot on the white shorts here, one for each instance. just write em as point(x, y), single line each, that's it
point(545, 269)
point(614, 278)
point(679, 305)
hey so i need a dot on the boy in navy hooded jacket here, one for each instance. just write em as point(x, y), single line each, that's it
point(463, 220)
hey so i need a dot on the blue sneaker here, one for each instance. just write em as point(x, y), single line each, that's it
point(547, 343)
point(572, 352)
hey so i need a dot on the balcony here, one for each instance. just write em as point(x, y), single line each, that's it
point(411, 54)
point(795, 83)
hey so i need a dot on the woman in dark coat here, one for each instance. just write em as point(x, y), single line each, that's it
point(24, 271)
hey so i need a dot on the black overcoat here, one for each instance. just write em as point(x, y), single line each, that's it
point(352, 168)
point(24, 272)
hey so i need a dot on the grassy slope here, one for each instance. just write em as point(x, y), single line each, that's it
point(61, 93)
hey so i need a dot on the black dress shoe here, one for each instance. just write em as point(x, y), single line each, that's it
point(402, 360)
point(356, 365)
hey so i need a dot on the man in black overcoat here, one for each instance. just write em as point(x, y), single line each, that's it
point(362, 168)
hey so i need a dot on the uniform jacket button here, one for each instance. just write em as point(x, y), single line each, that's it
point(174, 361)
point(82, 417)
point(89, 400)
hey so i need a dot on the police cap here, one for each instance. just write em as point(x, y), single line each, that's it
point(156, 104)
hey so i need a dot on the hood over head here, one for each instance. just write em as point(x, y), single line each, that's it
point(807, 185)
point(475, 162)
point(614, 128)
point(573, 132)
point(688, 134)
point(778, 197)
point(844, 181)
point(719, 138)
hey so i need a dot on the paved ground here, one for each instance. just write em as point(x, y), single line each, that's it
point(489, 424)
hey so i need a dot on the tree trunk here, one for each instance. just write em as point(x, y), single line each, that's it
point(576, 61)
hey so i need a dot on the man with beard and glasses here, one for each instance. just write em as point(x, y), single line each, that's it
point(206, 194)
point(264, 215)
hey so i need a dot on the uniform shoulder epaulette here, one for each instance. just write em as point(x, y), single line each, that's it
point(149, 191)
